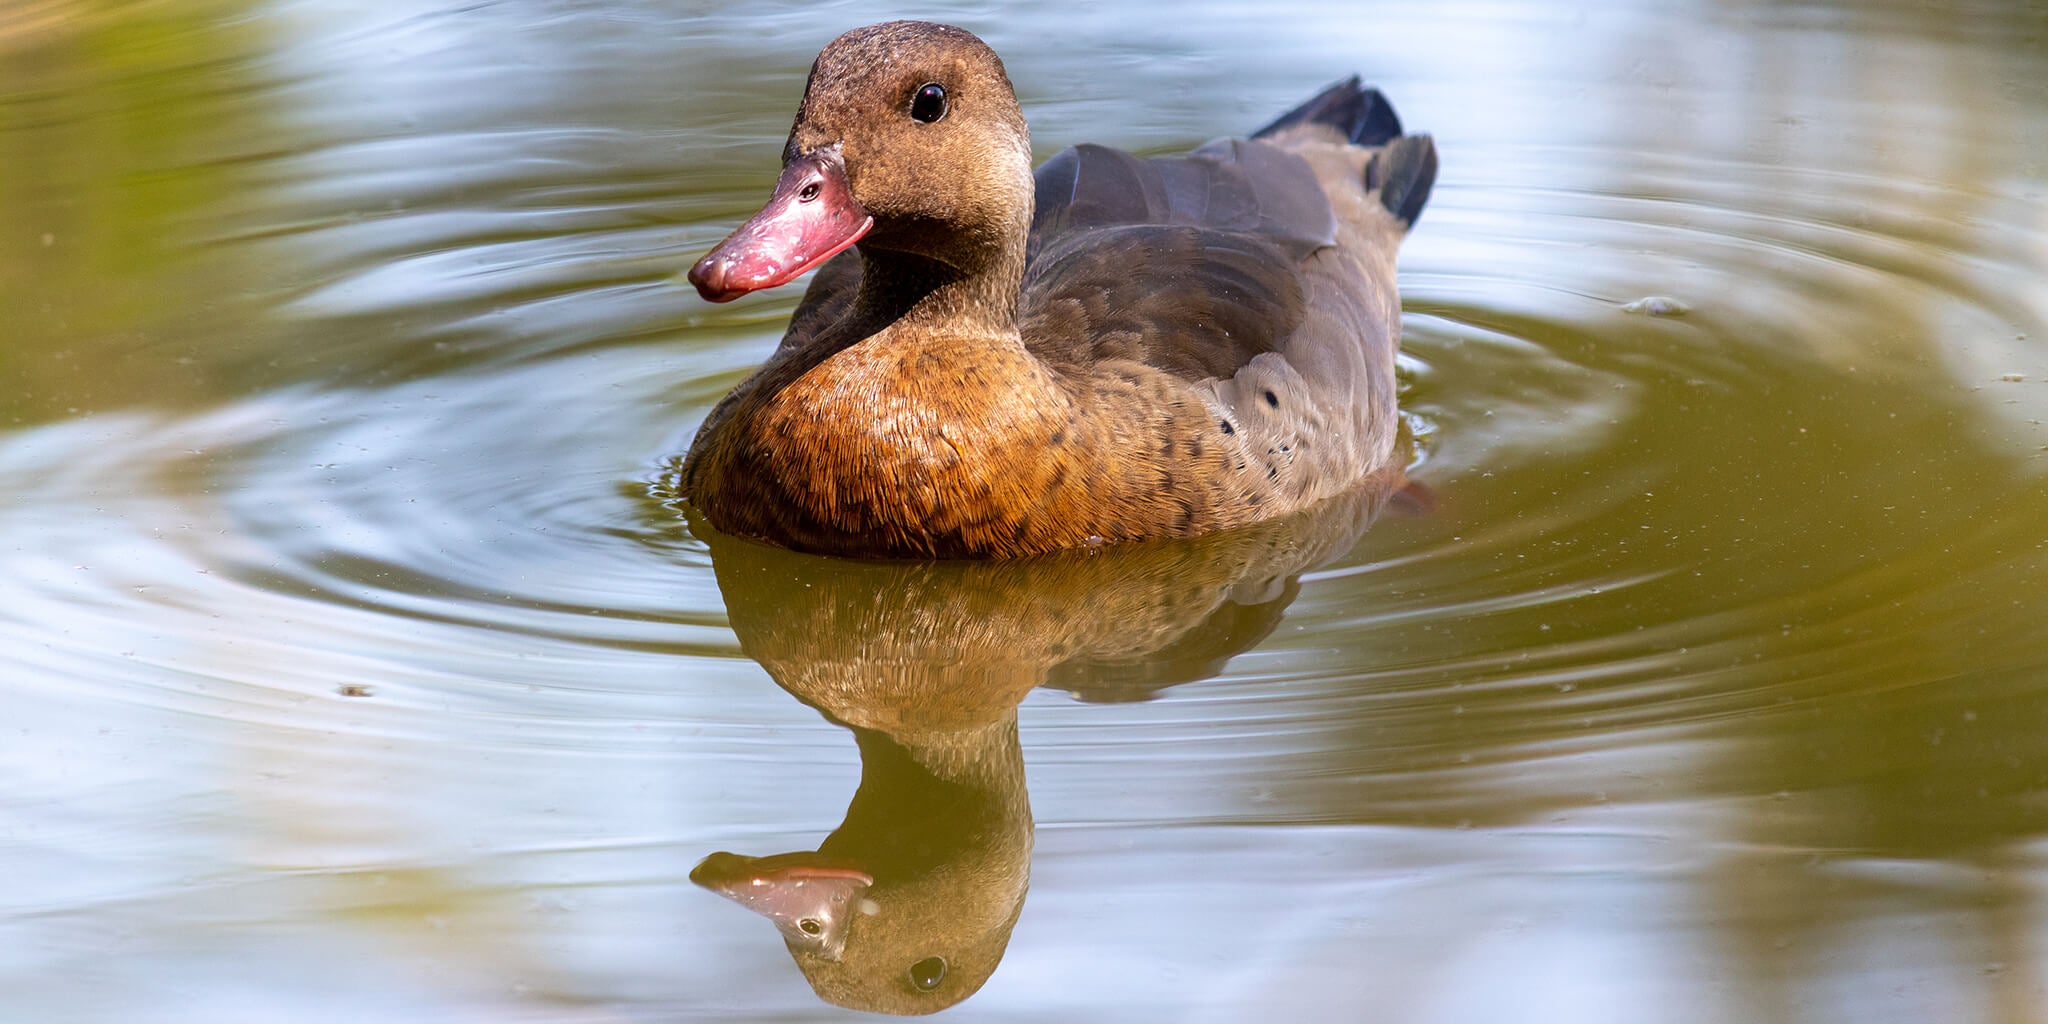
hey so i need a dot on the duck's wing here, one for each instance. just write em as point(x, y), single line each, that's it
point(1235, 185)
point(1196, 302)
point(1186, 263)
point(1245, 291)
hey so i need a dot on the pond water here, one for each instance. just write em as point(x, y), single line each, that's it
point(353, 668)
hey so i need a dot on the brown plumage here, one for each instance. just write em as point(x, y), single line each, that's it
point(1154, 348)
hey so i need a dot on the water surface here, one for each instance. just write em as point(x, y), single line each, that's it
point(352, 666)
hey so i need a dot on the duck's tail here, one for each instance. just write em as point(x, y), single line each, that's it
point(1362, 115)
point(1403, 174)
point(1404, 169)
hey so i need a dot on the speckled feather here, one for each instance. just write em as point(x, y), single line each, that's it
point(1167, 346)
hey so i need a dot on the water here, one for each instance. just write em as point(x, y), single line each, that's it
point(354, 668)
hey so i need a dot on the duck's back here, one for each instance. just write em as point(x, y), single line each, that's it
point(1253, 276)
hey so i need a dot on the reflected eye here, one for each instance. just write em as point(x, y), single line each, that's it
point(811, 926)
point(929, 103)
point(927, 973)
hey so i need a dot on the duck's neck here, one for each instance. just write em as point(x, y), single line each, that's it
point(970, 291)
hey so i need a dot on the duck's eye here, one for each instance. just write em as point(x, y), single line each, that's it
point(811, 926)
point(929, 103)
point(809, 192)
point(927, 973)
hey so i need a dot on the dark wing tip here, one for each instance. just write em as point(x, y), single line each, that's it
point(1363, 115)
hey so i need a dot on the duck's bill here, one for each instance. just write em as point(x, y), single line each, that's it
point(812, 898)
point(811, 217)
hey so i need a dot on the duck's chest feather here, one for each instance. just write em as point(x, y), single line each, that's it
point(911, 446)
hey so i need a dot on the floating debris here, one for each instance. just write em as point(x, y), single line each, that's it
point(1656, 305)
point(354, 690)
point(2012, 378)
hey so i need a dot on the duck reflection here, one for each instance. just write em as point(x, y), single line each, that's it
point(907, 907)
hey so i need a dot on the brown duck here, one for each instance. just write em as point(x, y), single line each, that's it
point(1155, 347)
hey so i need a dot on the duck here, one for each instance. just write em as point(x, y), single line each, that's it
point(994, 362)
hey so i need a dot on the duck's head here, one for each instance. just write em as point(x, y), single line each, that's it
point(909, 140)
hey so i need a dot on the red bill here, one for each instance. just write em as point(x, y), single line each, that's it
point(811, 217)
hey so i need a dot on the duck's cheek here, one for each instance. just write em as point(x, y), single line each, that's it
point(811, 217)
